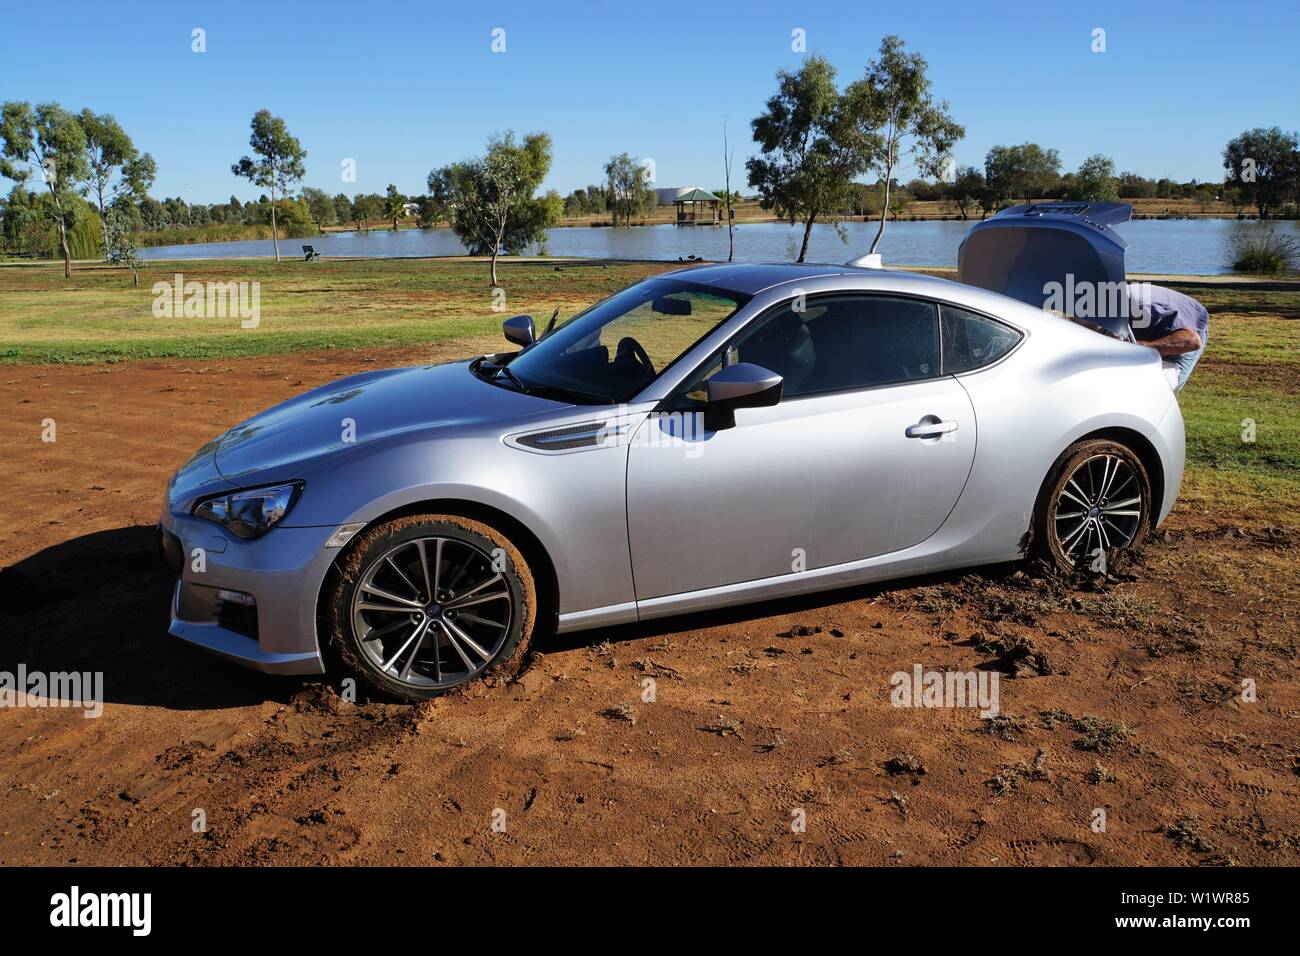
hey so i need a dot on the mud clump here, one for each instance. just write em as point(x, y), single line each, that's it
point(805, 630)
point(1012, 655)
point(1099, 774)
point(623, 712)
point(904, 763)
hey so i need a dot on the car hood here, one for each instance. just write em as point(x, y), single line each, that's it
point(362, 409)
point(1023, 250)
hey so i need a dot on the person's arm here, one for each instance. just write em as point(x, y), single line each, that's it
point(1176, 342)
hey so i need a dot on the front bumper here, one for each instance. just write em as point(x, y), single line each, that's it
point(250, 602)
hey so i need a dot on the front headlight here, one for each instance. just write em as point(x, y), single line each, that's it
point(251, 513)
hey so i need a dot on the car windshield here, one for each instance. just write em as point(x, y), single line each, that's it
point(619, 346)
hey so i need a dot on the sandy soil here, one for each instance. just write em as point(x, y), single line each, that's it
point(1126, 697)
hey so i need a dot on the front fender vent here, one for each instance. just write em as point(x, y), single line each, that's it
point(570, 438)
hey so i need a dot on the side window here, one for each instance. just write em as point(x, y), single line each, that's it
point(839, 342)
point(971, 341)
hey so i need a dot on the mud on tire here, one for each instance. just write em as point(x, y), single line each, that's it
point(384, 565)
point(1081, 486)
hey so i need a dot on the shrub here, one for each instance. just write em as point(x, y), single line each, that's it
point(1264, 253)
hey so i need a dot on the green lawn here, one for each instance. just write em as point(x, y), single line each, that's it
point(1250, 372)
point(98, 315)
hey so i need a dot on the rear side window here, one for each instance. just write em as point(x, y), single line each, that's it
point(837, 342)
point(971, 341)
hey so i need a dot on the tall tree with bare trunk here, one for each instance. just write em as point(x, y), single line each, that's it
point(118, 171)
point(892, 105)
point(48, 139)
point(628, 191)
point(727, 198)
point(278, 164)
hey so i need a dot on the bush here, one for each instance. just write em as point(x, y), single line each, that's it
point(1264, 253)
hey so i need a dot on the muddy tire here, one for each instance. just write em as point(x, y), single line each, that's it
point(1096, 499)
point(423, 605)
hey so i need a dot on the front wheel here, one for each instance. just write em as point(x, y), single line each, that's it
point(424, 604)
point(1097, 498)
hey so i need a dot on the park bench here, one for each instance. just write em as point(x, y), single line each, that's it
point(309, 253)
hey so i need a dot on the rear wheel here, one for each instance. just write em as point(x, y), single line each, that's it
point(422, 605)
point(1096, 499)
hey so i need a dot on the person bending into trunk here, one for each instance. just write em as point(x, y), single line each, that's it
point(1175, 325)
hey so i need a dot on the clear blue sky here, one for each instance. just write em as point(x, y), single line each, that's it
point(405, 87)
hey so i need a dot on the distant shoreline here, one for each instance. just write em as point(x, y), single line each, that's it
point(1226, 280)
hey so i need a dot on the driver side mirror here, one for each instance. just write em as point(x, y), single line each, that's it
point(743, 385)
point(520, 330)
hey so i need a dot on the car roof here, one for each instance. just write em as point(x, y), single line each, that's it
point(751, 278)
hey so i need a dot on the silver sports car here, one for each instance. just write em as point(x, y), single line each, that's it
point(707, 437)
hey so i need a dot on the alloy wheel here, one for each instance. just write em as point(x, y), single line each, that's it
point(432, 612)
point(1099, 506)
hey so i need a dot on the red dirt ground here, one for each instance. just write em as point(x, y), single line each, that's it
point(759, 712)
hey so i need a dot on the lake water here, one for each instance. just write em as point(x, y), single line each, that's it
point(1178, 246)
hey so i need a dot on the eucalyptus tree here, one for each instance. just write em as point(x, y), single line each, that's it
point(1096, 181)
point(119, 247)
point(343, 208)
point(118, 171)
point(365, 207)
point(1026, 171)
point(967, 189)
point(809, 151)
point(47, 138)
point(490, 201)
point(278, 162)
point(323, 209)
point(627, 188)
point(1265, 163)
point(891, 106)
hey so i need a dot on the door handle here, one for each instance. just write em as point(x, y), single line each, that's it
point(930, 427)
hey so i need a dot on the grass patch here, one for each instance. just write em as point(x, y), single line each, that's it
point(99, 316)
point(1096, 734)
point(1004, 726)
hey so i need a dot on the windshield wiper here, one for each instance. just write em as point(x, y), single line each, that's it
point(503, 370)
point(550, 326)
point(559, 392)
point(563, 392)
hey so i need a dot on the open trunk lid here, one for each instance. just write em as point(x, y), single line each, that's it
point(1062, 256)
